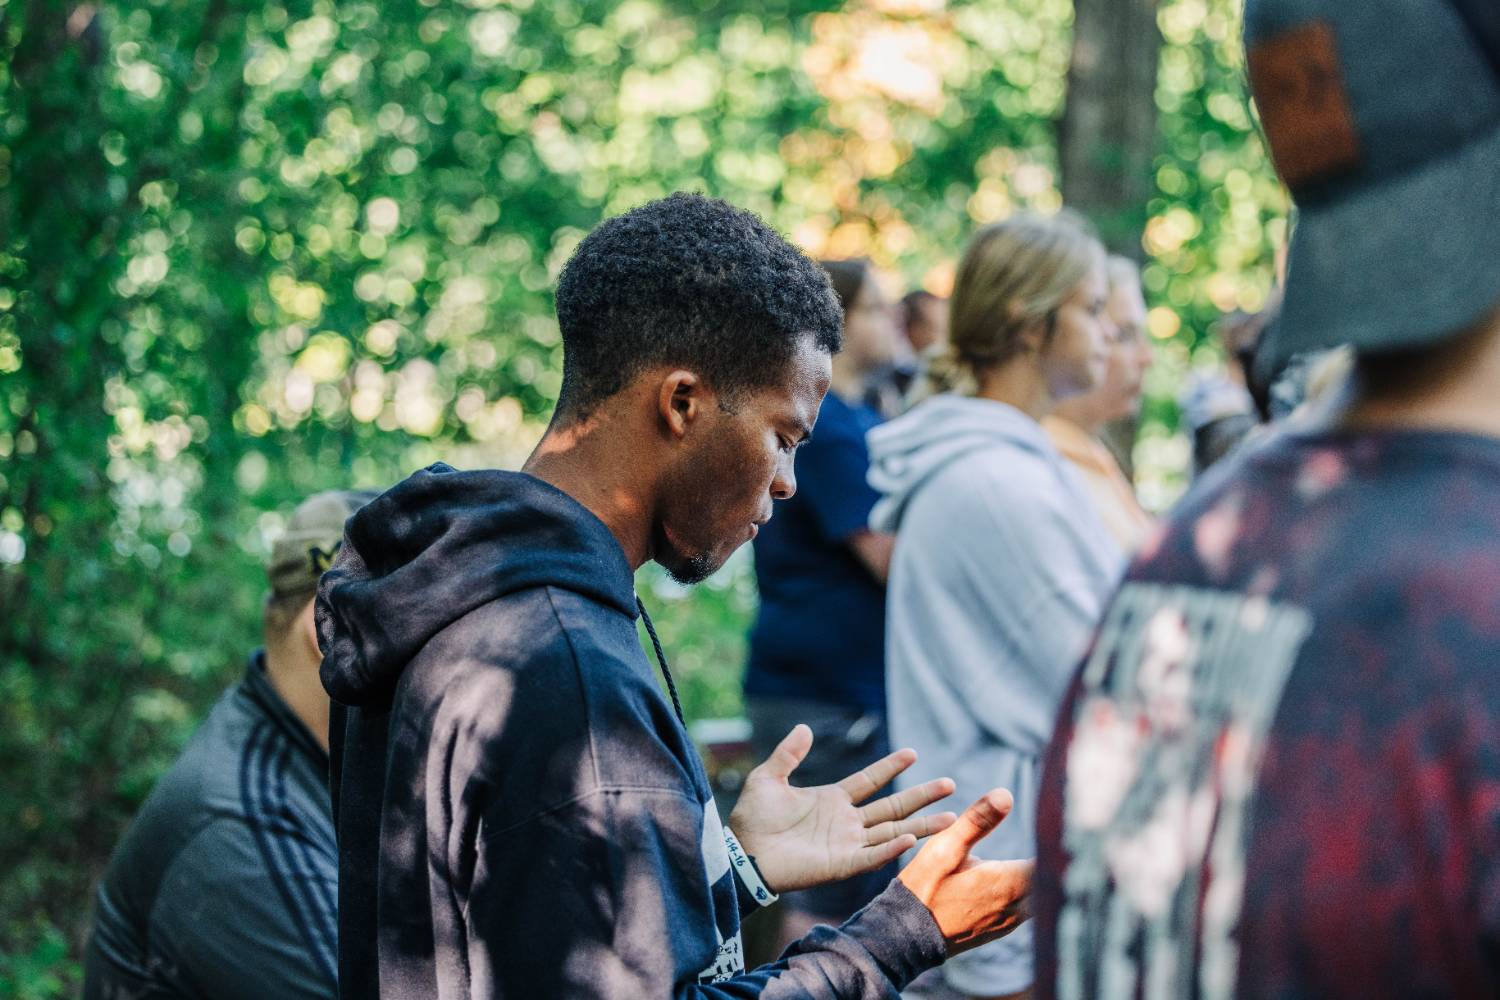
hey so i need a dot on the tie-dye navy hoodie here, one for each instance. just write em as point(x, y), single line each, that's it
point(1278, 772)
point(519, 811)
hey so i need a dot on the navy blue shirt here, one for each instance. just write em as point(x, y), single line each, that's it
point(820, 633)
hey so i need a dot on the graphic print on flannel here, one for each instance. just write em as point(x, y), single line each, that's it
point(1171, 720)
point(729, 961)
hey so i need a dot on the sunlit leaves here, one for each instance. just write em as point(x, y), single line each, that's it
point(255, 250)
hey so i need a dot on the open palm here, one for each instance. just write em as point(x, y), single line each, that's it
point(802, 837)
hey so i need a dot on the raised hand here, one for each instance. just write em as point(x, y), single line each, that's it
point(802, 837)
point(973, 901)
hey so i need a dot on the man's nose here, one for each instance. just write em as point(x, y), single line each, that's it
point(784, 484)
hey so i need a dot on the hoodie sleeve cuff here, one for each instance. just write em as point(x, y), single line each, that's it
point(899, 933)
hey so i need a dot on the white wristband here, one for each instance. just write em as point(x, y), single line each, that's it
point(745, 869)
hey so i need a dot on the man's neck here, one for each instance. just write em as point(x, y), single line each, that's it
point(295, 679)
point(1456, 387)
point(569, 459)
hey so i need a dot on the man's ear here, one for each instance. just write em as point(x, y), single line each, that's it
point(681, 399)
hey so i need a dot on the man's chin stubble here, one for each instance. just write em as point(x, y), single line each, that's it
point(692, 570)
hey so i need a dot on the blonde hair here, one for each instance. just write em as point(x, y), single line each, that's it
point(1123, 272)
point(1014, 275)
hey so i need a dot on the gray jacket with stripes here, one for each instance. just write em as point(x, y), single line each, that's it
point(225, 884)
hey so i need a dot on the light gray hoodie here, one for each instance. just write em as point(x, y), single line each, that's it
point(1001, 570)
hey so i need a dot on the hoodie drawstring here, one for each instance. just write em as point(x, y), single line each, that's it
point(661, 658)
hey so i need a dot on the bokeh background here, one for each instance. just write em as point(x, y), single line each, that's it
point(253, 250)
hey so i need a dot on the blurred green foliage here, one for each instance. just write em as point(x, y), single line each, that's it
point(253, 250)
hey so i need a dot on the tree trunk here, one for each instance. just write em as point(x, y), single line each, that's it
point(1107, 140)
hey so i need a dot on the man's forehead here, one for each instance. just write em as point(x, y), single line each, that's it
point(812, 362)
point(808, 376)
point(812, 371)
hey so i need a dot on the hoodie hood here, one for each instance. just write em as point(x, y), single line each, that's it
point(440, 544)
point(907, 452)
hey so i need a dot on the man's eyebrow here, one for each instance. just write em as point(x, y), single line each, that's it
point(805, 430)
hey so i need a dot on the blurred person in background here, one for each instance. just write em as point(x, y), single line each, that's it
point(817, 648)
point(1075, 423)
point(924, 322)
point(1221, 407)
point(1230, 412)
point(1001, 563)
point(922, 319)
point(224, 886)
point(1306, 381)
point(1278, 773)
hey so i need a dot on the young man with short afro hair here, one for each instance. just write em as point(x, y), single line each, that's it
point(519, 808)
point(693, 282)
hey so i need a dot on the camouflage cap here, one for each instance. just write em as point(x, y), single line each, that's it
point(312, 538)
